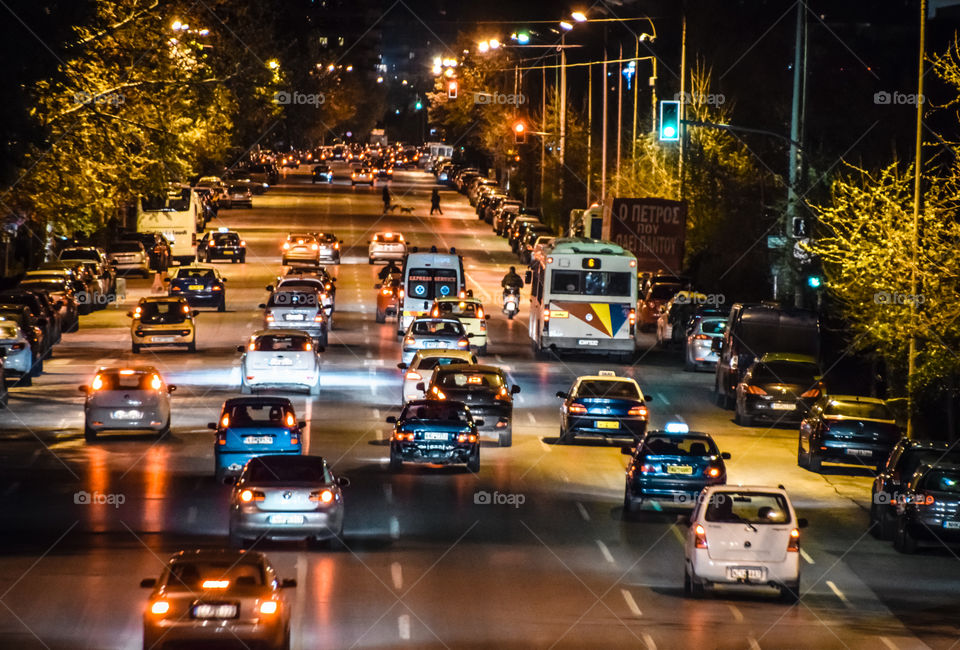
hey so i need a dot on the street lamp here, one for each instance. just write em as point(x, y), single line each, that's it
point(483, 46)
point(579, 16)
point(565, 26)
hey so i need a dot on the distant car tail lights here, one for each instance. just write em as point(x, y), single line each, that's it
point(322, 496)
point(700, 537)
point(638, 411)
point(467, 437)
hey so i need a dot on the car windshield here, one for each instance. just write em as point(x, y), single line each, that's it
point(293, 299)
point(713, 325)
point(226, 238)
point(185, 575)
point(786, 372)
point(276, 343)
point(124, 380)
point(9, 330)
point(79, 254)
point(436, 411)
point(44, 285)
point(680, 446)
point(728, 507)
point(125, 247)
point(201, 275)
point(441, 327)
point(291, 469)
point(608, 390)
point(469, 380)
point(308, 285)
point(326, 238)
point(251, 415)
point(428, 363)
point(858, 410)
point(460, 309)
point(942, 480)
point(165, 312)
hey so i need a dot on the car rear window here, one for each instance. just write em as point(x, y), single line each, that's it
point(680, 446)
point(388, 238)
point(914, 458)
point(428, 363)
point(293, 299)
point(190, 576)
point(865, 410)
point(247, 415)
point(467, 379)
point(286, 470)
point(79, 254)
point(124, 380)
point(157, 313)
point(608, 389)
point(942, 480)
point(664, 291)
point(786, 372)
point(446, 328)
point(125, 247)
point(438, 411)
point(713, 325)
point(203, 275)
point(465, 309)
point(226, 238)
point(728, 507)
point(274, 343)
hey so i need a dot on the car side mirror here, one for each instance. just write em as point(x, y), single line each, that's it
point(83, 389)
point(470, 336)
point(301, 425)
point(561, 394)
point(514, 390)
point(626, 450)
point(391, 419)
point(420, 387)
point(269, 287)
point(343, 481)
point(478, 423)
point(402, 366)
point(166, 280)
point(148, 583)
point(224, 279)
point(212, 426)
point(288, 583)
point(802, 522)
point(261, 306)
point(725, 455)
point(171, 388)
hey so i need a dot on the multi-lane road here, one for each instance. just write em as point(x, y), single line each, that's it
point(425, 563)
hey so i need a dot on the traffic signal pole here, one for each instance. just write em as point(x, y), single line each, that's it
point(787, 271)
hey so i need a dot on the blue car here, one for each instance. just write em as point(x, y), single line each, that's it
point(673, 465)
point(436, 433)
point(201, 285)
point(254, 426)
point(603, 406)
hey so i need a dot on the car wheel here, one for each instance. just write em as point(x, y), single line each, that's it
point(395, 461)
point(506, 438)
point(135, 348)
point(26, 379)
point(223, 305)
point(283, 261)
point(74, 326)
point(164, 432)
point(192, 346)
point(814, 462)
point(89, 434)
point(691, 586)
point(473, 463)
point(688, 366)
point(790, 592)
point(903, 541)
point(803, 460)
point(381, 317)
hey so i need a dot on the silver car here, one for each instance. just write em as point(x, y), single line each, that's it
point(18, 359)
point(301, 248)
point(297, 308)
point(386, 246)
point(129, 257)
point(286, 497)
point(432, 334)
point(323, 285)
point(126, 399)
point(700, 351)
point(280, 358)
point(212, 596)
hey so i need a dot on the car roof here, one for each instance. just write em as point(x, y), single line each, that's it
point(606, 378)
point(257, 399)
point(679, 434)
point(135, 368)
point(421, 319)
point(472, 299)
point(198, 267)
point(776, 489)
point(443, 352)
point(473, 367)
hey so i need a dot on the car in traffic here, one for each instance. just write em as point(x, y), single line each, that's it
point(484, 389)
point(300, 248)
point(672, 322)
point(386, 246)
point(163, 321)
point(18, 361)
point(322, 173)
point(848, 429)
point(298, 308)
point(362, 176)
point(282, 497)
point(200, 286)
point(778, 388)
point(671, 467)
point(660, 290)
point(605, 406)
point(745, 536)
point(388, 297)
point(222, 244)
point(311, 279)
point(62, 291)
point(129, 257)
point(928, 510)
point(125, 399)
point(280, 358)
point(469, 311)
point(424, 363)
point(291, 160)
point(703, 341)
point(95, 259)
point(254, 426)
point(236, 196)
point(45, 316)
point(329, 247)
point(206, 596)
point(433, 333)
point(436, 433)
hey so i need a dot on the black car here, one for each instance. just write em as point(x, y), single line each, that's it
point(778, 388)
point(929, 508)
point(906, 457)
point(200, 285)
point(526, 243)
point(156, 245)
point(222, 245)
point(482, 388)
point(322, 173)
point(435, 432)
point(60, 292)
point(45, 317)
point(673, 464)
point(605, 406)
point(847, 429)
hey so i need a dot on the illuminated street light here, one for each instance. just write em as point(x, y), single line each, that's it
point(176, 25)
point(349, 68)
point(449, 72)
point(331, 68)
point(483, 46)
point(565, 25)
point(579, 16)
point(273, 64)
point(437, 69)
point(494, 44)
point(379, 80)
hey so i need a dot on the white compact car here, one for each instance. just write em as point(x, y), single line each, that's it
point(18, 361)
point(421, 367)
point(468, 311)
point(433, 334)
point(386, 246)
point(700, 352)
point(743, 535)
point(280, 358)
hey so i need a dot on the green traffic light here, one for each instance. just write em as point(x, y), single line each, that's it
point(419, 105)
point(814, 282)
point(669, 121)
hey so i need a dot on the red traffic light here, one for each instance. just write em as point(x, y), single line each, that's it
point(452, 89)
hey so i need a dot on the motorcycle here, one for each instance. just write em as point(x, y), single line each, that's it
point(511, 302)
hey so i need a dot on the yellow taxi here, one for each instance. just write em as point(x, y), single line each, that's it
point(469, 311)
point(163, 320)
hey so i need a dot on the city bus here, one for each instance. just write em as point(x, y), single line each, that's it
point(178, 216)
point(427, 276)
point(583, 298)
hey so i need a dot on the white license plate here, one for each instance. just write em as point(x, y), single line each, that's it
point(782, 406)
point(126, 415)
point(293, 317)
point(435, 344)
point(745, 573)
point(215, 611)
point(433, 435)
point(952, 525)
point(860, 452)
point(257, 440)
point(593, 342)
point(163, 339)
point(285, 519)
point(281, 362)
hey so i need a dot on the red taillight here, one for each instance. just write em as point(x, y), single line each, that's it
point(754, 390)
point(647, 469)
point(243, 243)
point(546, 314)
point(700, 537)
point(794, 544)
point(812, 393)
point(251, 495)
point(928, 500)
point(409, 340)
point(413, 375)
point(467, 437)
point(462, 343)
point(638, 411)
point(633, 317)
point(713, 472)
point(211, 244)
point(577, 408)
point(702, 337)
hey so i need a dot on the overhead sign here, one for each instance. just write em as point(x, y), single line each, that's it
point(652, 229)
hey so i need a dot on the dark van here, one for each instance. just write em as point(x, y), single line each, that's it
point(756, 329)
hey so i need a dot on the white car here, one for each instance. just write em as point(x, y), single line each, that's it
point(280, 358)
point(18, 360)
point(386, 246)
point(743, 535)
point(421, 367)
point(700, 352)
point(306, 282)
point(433, 334)
point(468, 311)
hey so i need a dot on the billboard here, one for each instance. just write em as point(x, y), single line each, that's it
point(652, 229)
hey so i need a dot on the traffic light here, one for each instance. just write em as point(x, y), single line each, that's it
point(519, 133)
point(814, 281)
point(419, 105)
point(452, 89)
point(800, 230)
point(670, 121)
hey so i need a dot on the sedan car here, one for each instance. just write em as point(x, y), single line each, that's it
point(318, 280)
point(673, 465)
point(322, 173)
point(777, 388)
point(286, 497)
point(129, 257)
point(469, 311)
point(362, 176)
point(237, 196)
point(433, 333)
point(62, 293)
point(386, 246)
point(605, 406)
point(847, 429)
point(743, 535)
point(206, 596)
point(928, 510)
point(280, 358)
point(298, 308)
point(301, 248)
point(158, 321)
point(702, 349)
point(222, 245)
point(254, 426)
point(484, 389)
point(388, 297)
point(435, 432)
point(422, 366)
point(18, 359)
point(200, 286)
point(126, 399)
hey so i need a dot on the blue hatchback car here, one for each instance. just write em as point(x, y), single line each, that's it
point(254, 426)
point(201, 285)
point(435, 432)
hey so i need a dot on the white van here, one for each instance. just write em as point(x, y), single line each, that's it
point(427, 276)
point(177, 216)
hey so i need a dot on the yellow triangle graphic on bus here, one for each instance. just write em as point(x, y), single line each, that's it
point(602, 310)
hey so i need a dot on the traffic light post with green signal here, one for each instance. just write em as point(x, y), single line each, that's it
point(669, 121)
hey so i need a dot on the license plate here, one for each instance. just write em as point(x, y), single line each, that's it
point(281, 362)
point(745, 573)
point(195, 287)
point(433, 435)
point(285, 519)
point(293, 317)
point(163, 339)
point(205, 610)
point(257, 440)
point(228, 252)
point(679, 469)
point(952, 525)
point(860, 452)
point(126, 415)
point(593, 342)
point(435, 344)
point(782, 406)
point(607, 424)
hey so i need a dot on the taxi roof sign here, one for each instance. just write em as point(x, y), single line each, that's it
point(677, 427)
point(606, 373)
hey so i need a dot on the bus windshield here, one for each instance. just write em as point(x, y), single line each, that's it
point(591, 283)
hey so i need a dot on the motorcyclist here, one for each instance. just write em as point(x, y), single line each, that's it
point(389, 269)
point(511, 281)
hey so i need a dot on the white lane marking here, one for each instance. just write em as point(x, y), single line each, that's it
point(649, 641)
point(753, 643)
point(376, 414)
point(806, 557)
point(530, 417)
point(887, 642)
point(663, 398)
point(838, 593)
point(366, 327)
point(583, 511)
point(191, 514)
point(737, 614)
point(605, 552)
point(396, 574)
point(373, 382)
point(369, 354)
point(403, 625)
point(394, 528)
point(545, 446)
point(631, 603)
point(308, 414)
point(388, 492)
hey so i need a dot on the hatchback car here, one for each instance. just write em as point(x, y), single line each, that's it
point(928, 510)
point(158, 321)
point(280, 358)
point(206, 596)
point(422, 366)
point(300, 248)
point(433, 334)
point(484, 389)
point(672, 465)
point(254, 426)
point(388, 297)
point(200, 286)
point(702, 349)
point(436, 433)
point(315, 279)
point(743, 535)
point(778, 388)
point(237, 196)
point(126, 399)
point(18, 359)
point(386, 246)
point(322, 173)
point(129, 257)
point(362, 176)
point(329, 247)
point(847, 429)
point(605, 406)
point(286, 497)
point(468, 311)
point(296, 308)
point(222, 245)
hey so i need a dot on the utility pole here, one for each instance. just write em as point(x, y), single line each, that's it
point(603, 146)
point(635, 78)
point(563, 114)
point(789, 279)
point(619, 107)
point(543, 129)
point(589, 129)
point(683, 95)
